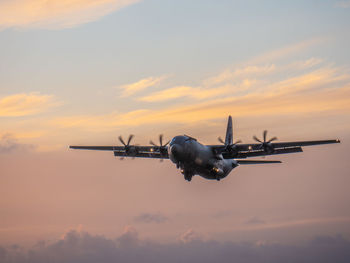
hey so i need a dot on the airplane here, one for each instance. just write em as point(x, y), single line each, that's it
point(213, 162)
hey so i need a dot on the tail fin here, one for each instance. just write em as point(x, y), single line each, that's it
point(229, 132)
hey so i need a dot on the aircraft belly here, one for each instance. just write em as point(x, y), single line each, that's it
point(200, 160)
point(207, 172)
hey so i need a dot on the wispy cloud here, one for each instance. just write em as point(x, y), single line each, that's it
point(55, 14)
point(9, 144)
point(25, 104)
point(184, 91)
point(257, 224)
point(343, 4)
point(319, 90)
point(131, 89)
point(255, 221)
point(243, 72)
point(281, 88)
point(151, 218)
point(234, 81)
point(305, 64)
point(287, 51)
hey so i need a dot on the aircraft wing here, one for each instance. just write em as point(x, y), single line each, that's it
point(130, 151)
point(256, 149)
point(303, 143)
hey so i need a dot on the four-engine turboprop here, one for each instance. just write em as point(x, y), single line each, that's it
point(209, 161)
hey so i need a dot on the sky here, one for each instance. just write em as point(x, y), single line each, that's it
point(83, 72)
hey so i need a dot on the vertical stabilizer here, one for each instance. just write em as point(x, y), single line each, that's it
point(229, 132)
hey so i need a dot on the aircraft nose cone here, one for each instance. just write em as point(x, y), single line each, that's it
point(175, 149)
point(175, 152)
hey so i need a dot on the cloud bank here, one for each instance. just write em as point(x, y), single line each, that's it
point(22, 104)
point(9, 144)
point(83, 247)
point(55, 14)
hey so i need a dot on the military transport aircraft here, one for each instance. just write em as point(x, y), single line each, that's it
point(209, 161)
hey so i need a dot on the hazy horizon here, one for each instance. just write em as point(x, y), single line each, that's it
point(84, 72)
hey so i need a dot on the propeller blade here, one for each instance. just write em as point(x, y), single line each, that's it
point(255, 138)
point(161, 139)
point(130, 138)
point(239, 141)
point(272, 139)
point(152, 143)
point(221, 140)
point(121, 140)
point(166, 144)
point(264, 135)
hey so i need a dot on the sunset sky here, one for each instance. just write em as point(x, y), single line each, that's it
point(83, 72)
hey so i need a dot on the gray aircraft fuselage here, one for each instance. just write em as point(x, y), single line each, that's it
point(194, 158)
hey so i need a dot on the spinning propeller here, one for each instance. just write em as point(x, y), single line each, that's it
point(229, 147)
point(161, 148)
point(266, 145)
point(128, 148)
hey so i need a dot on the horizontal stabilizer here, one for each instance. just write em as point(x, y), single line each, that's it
point(256, 161)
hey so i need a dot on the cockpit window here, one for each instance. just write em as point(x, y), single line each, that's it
point(178, 140)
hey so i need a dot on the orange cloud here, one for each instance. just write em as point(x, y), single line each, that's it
point(24, 135)
point(251, 71)
point(184, 91)
point(131, 89)
point(25, 104)
point(255, 91)
point(321, 90)
point(55, 13)
point(249, 105)
point(315, 80)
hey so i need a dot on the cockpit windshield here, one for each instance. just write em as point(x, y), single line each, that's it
point(178, 140)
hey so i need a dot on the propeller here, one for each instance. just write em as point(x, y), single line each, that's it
point(229, 147)
point(128, 148)
point(222, 141)
point(162, 148)
point(129, 140)
point(266, 145)
point(160, 142)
